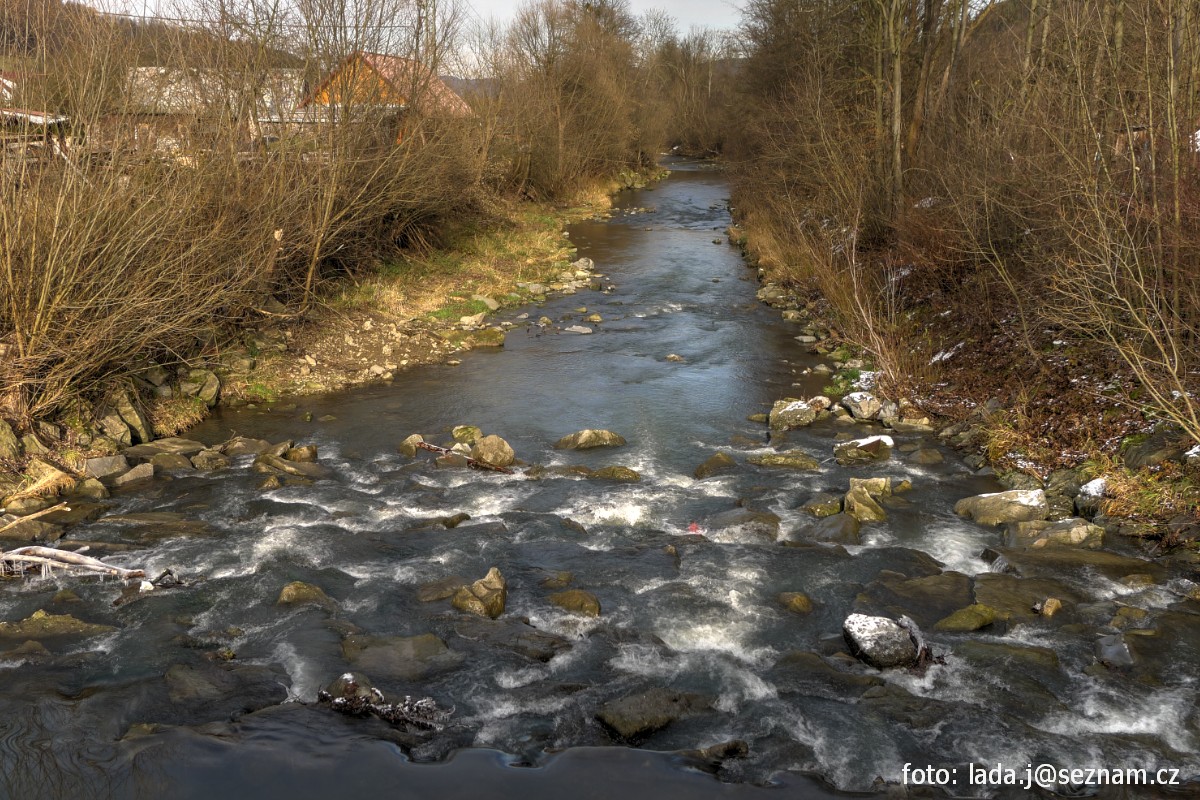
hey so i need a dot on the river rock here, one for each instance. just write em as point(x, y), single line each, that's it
point(24, 506)
point(859, 504)
point(638, 715)
point(406, 658)
point(559, 580)
point(171, 462)
point(304, 454)
point(714, 465)
point(43, 478)
point(577, 601)
point(350, 686)
point(796, 602)
point(616, 473)
point(10, 446)
point(139, 424)
point(209, 460)
point(105, 467)
point(266, 462)
point(823, 504)
point(838, 529)
point(862, 451)
point(862, 405)
point(743, 526)
point(1112, 651)
point(493, 450)
point(1150, 450)
point(1017, 598)
point(925, 599)
point(1053, 561)
point(926, 457)
point(1074, 532)
point(965, 620)
point(879, 641)
point(1090, 499)
point(90, 489)
point(28, 531)
point(589, 438)
point(789, 459)
point(809, 674)
point(202, 383)
point(115, 428)
point(515, 635)
point(244, 446)
point(485, 597)
point(139, 474)
point(440, 589)
point(997, 508)
point(409, 446)
point(787, 415)
point(466, 434)
point(299, 593)
point(171, 444)
point(41, 625)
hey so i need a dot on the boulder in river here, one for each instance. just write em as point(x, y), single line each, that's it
point(743, 526)
point(466, 434)
point(863, 451)
point(589, 438)
point(879, 641)
point(644, 713)
point(305, 453)
point(493, 450)
point(862, 405)
point(823, 504)
point(859, 504)
point(485, 597)
point(105, 467)
point(577, 601)
point(715, 464)
point(787, 415)
point(997, 508)
point(796, 602)
point(298, 593)
point(965, 620)
point(789, 459)
point(616, 473)
point(41, 625)
point(402, 657)
point(210, 459)
point(409, 446)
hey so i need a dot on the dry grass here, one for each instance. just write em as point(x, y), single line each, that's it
point(173, 415)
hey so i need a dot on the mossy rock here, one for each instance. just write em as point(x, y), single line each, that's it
point(968, 619)
point(577, 601)
point(796, 602)
point(299, 593)
point(619, 474)
point(41, 625)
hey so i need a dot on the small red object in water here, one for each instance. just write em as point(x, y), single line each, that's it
point(693, 528)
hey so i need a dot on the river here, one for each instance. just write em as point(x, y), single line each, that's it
point(155, 709)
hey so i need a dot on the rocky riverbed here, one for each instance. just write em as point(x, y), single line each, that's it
point(688, 547)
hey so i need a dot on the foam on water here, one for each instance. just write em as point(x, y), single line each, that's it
point(1106, 709)
point(305, 679)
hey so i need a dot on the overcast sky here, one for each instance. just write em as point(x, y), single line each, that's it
point(716, 14)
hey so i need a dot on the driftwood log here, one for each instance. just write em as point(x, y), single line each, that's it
point(473, 463)
point(50, 558)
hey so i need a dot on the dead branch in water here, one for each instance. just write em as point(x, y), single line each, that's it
point(35, 515)
point(473, 463)
point(49, 558)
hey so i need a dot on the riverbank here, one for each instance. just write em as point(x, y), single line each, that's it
point(1037, 408)
point(425, 307)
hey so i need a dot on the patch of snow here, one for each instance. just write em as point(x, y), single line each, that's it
point(946, 354)
point(1193, 453)
point(866, 380)
point(887, 440)
point(1096, 487)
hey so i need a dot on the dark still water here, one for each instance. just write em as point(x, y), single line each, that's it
point(690, 626)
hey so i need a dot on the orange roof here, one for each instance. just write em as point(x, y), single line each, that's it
point(403, 76)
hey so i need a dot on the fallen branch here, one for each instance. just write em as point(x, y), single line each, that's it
point(473, 463)
point(49, 558)
point(35, 515)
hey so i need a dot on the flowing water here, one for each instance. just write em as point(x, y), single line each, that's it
point(147, 711)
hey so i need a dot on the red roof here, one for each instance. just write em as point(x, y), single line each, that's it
point(406, 77)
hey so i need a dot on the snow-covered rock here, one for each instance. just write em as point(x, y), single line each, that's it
point(997, 508)
point(879, 641)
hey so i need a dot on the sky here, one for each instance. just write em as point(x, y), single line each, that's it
point(715, 14)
